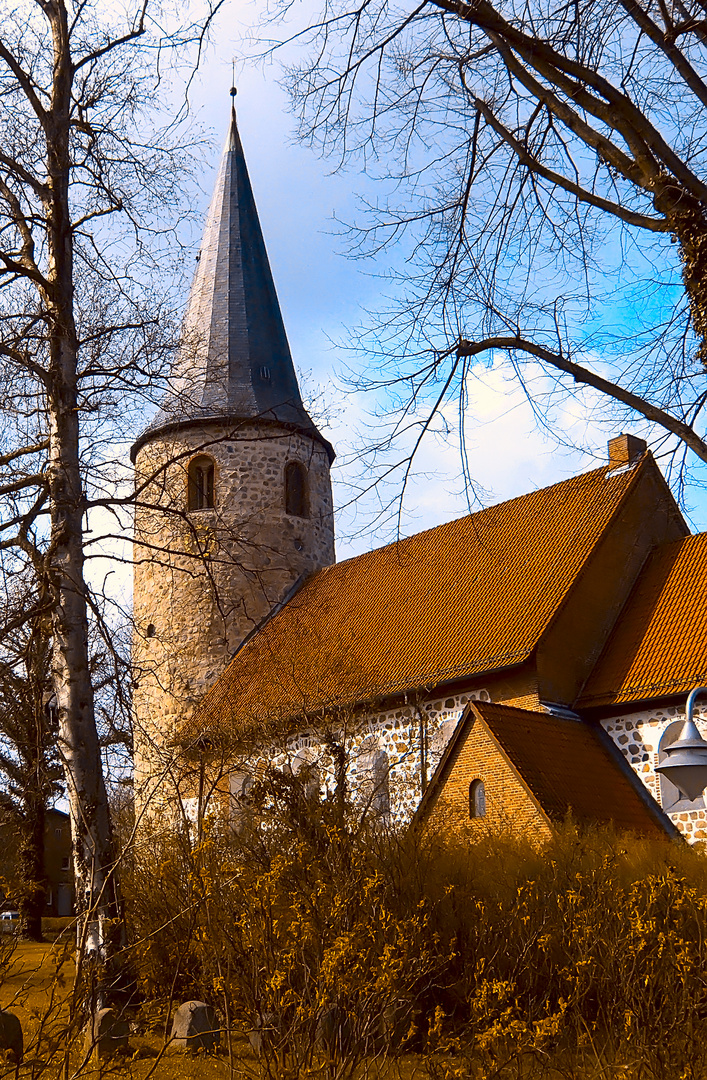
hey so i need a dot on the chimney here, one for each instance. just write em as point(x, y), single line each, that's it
point(625, 450)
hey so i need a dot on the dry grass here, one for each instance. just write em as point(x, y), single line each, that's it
point(39, 974)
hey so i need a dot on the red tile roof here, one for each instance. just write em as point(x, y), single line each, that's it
point(571, 767)
point(659, 644)
point(468, 597)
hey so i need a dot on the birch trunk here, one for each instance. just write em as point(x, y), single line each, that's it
point(79, 743)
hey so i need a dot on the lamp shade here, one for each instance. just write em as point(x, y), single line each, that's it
point(685, 763)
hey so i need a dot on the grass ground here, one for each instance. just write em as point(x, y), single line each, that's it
point(39, 978)
point(37, 986)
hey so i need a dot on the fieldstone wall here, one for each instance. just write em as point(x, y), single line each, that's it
point(396, 750)
point(638, 736)
point(204, 579)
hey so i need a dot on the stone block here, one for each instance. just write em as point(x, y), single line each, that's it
point(195, 1027)
point(334, 1031)
point(266, 1030)
point(401, 1023)
point(108, 1034)
point(11, 1035)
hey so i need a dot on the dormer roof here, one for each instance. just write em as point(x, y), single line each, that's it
point(235, 362)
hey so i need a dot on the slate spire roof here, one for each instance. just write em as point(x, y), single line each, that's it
point(235, 363)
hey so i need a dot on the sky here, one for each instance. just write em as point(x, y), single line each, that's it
point(324, 296)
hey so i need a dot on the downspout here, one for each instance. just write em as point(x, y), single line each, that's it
point(422, 730)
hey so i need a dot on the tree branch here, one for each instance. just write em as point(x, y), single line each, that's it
point(589, 378)
point(22, 451)
point(642, 221)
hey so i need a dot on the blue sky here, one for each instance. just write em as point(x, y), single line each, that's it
point(324, 294)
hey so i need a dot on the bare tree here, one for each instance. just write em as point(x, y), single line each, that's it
point(544, 173)
point(84, 338)
point(30, 768)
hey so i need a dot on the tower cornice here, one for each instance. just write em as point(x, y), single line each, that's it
point(233, 422)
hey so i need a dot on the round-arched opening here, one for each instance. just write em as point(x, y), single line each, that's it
point(200, 486)
point(477, 799)
point(373, 768)
point(305, 765)
point(671, 798)
point(296, 490)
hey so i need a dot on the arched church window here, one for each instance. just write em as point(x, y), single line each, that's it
point(670, 797)
point(477, 799)
point(296, 494)
point(304, 765)
point(374, 786)
point(200, 493)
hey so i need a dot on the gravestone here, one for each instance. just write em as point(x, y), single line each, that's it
point(11, 1034)
point(334, 1031)
point(267, 1029)
point(108, 1034)
point(195, 1027)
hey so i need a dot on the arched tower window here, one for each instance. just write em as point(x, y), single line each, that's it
point(477, 799)
point(200, 493)
point(670, 797)
point(296, 494)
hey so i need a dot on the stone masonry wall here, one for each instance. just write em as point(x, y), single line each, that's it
point(412, 737)
point(204, 579)
point(638, 736)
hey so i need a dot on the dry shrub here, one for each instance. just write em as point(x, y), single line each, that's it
point(340, 941)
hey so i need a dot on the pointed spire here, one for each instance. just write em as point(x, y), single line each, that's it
point(236, 363)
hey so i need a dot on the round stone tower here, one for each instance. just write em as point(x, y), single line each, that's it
point(234, 506)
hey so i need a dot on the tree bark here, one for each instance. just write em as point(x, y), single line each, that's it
point(79, 746)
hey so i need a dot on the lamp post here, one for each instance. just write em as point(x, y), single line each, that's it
point(685, 763)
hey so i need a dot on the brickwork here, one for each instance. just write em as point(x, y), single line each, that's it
point(638, 735)
point(204, 579)
point(509, 806)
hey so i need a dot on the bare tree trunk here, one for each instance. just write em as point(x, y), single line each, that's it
point(80, 748)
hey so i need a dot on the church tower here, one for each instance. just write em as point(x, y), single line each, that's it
point(234, 506)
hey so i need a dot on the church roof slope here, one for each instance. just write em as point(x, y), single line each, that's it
point(467, 597)
point(569, 767)
point(659, 644)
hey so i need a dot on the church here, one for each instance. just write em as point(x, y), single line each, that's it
point(503, 670)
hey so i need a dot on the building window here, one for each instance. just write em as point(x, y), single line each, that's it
point(304, 765)
point(200, 495)
point(670, 797)
point(240, 784)
point(477, 799)
point(373, 769)
point(296, 495)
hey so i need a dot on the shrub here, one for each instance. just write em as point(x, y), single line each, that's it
point(336, 940)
